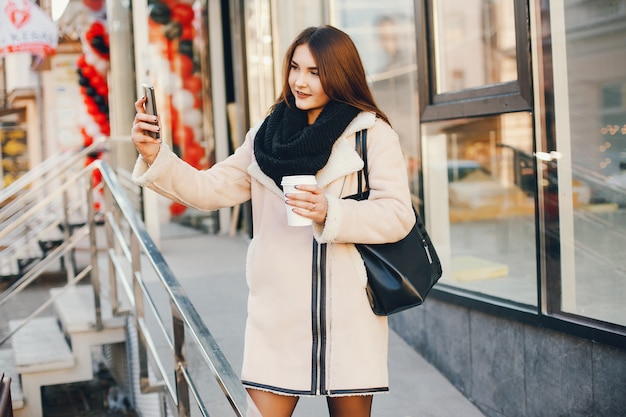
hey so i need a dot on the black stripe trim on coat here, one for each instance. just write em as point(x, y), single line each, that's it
point(323, 329)
point(336, 392)
point(361, 391)
point(277, 390)
point(314, 328)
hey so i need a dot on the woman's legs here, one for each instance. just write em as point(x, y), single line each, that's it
point(273, 405)
point(350, 406)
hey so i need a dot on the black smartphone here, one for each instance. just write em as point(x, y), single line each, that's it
point(151, 107)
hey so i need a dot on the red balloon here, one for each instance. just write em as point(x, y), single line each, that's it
point(94, 5)
point(92, 108)
point(188, 137)
point(80, 62)
point(182, 65)
point(97, 28)
point(97, 177)
point(176, 209)
point(193, 152)
point(183, 13)
point(87, 140)
point(101, 118)
point(88, 71)
point(188, 33)
point(102, 90)
point(193, 84)
point(97, 82)
point(197, 103)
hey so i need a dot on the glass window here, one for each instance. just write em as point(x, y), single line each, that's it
point(385, 37)
point(267, 42)
point(474, 43)
point(479, 204)
point(590, 124)
point(259, 63)
point(473, 57)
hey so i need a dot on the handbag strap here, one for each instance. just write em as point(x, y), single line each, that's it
point(361, 149)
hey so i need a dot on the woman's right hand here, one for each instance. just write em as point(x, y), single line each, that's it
point(147, 146)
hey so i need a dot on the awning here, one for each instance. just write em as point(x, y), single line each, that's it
point(24, 27)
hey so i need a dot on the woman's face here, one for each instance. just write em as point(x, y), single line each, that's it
point(304, 81)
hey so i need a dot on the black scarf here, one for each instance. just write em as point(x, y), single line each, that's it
point(286, 145)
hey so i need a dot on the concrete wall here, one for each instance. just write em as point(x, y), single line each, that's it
point(509, 369)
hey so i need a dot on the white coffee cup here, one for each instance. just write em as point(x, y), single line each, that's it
point(289, 186)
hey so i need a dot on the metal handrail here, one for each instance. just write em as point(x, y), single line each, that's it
point(128, 243)
point(184, 316)
point(40, 175)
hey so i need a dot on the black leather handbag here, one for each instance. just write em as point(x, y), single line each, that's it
point(399, 275)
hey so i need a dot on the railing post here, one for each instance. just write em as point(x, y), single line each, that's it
point(135, 260)
point(93, 248)
point(109, 206)
point(68, 257)
point(182, 386)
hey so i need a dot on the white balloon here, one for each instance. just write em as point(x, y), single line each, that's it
point(90, 56)
point(102, 67)
point(166, 82)
point(192, 118)
point(183, 100)
point(165, 85)
point(197, 133)
point(93, 129)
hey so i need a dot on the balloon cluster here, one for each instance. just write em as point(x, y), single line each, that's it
point(92, 67)
point(173, 26)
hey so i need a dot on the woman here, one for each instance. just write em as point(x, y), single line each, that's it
point(310, 329)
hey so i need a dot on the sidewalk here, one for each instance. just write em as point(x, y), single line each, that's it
point(211, 270)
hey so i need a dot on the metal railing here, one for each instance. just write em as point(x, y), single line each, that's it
point(132, 256)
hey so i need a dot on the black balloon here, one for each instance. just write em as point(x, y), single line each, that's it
point(84, 82)
point(160, 13)
point(186, 48)
point(99, 44)
point(90, 91)
point(99, 100)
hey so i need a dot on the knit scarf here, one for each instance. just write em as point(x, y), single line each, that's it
point(287, 145)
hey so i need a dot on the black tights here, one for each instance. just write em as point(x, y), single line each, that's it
point(275, 405)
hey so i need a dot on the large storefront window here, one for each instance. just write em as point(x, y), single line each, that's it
point(475, 43)
point(267, 46)
point(384, 34)
point(590, 124)
point(479, 197)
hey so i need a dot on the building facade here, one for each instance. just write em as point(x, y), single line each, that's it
point(512, 116)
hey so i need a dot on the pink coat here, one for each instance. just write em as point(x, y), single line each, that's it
point(310, 329)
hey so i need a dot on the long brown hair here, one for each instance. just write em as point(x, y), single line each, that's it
point(340, 68)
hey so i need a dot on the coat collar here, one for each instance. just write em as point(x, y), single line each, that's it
point(343, 159)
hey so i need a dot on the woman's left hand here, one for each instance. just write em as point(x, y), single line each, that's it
point(310, 202)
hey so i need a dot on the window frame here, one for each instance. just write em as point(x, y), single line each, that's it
point(486, 100)
point(507, 98)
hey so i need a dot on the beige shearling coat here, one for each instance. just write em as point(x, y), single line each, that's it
point(310, 329)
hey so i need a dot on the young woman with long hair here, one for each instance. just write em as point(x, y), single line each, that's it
point(310, 329)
